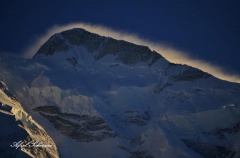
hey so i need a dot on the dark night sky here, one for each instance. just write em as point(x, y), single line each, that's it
point(206, 29)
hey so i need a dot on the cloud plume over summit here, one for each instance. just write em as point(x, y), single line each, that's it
point(171, 54)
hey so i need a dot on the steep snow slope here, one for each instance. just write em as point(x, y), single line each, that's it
point(17, 125)
point(101, 97)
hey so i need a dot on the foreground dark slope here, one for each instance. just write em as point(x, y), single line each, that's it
point(124, 100)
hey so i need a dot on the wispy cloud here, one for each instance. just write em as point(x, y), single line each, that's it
point(170, 53)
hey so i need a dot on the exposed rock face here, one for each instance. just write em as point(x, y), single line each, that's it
point(191, 74)
point(5, 89)
point(55, 43)
point(136, 118)
point(81, 37)
point(127, 52)
point(220, 132)
point(82, 128)
point(208, 150)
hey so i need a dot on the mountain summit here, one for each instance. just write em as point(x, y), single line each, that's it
point(100, 97)
point(124, 51)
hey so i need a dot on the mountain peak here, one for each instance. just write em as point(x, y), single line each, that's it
point(124, 51)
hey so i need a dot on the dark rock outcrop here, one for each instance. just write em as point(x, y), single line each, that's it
point(5, 89)
point(83, 128)
point(220, 132)
point(191, 74)
point(136, 118)
point(209, 150)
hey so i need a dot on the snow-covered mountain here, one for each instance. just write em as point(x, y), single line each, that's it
point(100, 97)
